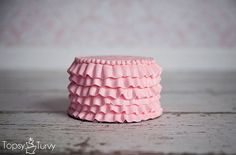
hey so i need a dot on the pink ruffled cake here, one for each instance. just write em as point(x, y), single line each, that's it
point(114, 89)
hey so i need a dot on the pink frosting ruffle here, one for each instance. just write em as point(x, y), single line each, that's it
point(114, 89)
point(116, 60)
point(116, 82)
point(114, 71)
point(99, 100)
point(115, 113)
point(106, 108)
point(127, 93)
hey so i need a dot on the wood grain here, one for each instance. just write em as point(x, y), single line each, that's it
point(178, 133)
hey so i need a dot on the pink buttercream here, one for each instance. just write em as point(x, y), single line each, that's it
point(94, 70)
point(115, 113)
point(116, 60)
point(127, 109)
point(116, 82)
point(127, 93)
point(114, 88)
point(99, 100)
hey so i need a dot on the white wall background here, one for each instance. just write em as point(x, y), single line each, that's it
point(181, 35)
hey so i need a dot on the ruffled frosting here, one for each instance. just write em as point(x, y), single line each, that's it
point(114, 71)
point(115, 113)
point(116, 60)
point(126, 93)
point(116, 83)
point(114, 88)
point(99, 100)
point(106, 108)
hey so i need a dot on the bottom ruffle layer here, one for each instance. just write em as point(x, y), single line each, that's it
point(113, 116)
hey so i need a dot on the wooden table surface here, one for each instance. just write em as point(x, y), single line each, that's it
point(199, 117)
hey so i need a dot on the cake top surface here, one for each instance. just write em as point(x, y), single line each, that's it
point(116, 59)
